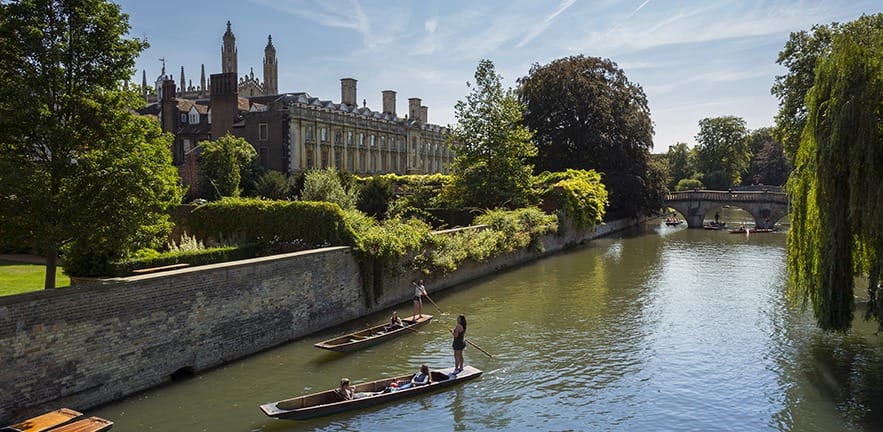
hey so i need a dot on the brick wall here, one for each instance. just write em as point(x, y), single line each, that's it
point(93, 343)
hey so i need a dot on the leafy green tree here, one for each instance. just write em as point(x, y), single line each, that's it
point(769, 165)
point(836, 187)
point(273, 185)
point(491, 145)
point(326, 185)
point(78, 169)
point(800, 56)
point(588, 115)
point(678, 160)
point(756, 141)
point(689, 184)
point(222, 163)
point(722, 150)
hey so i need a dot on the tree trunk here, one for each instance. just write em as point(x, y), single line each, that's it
point(51, 262)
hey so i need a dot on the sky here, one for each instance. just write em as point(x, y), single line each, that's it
point(694, 59)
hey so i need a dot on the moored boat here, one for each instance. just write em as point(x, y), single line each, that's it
point(91, 424)
point(367, 394)
point(44, 421)
point(372, 335)
point(60, 420)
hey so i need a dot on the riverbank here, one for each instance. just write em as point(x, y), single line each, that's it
point(93, 343)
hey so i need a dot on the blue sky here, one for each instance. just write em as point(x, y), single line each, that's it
point(694, 59)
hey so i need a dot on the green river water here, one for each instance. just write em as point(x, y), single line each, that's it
point(657, 328)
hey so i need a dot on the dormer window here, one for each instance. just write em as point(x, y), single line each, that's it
point(193, 116)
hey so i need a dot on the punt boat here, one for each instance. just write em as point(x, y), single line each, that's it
point(367, 394)
point(60, 420)
point(372, 335)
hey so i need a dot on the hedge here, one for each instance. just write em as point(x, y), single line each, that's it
point(241, 220)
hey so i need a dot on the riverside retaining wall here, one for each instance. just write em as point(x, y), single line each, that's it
point(93, 343)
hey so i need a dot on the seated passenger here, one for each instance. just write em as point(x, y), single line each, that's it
point(422, 378)
point(394, 322)
point(344, 391)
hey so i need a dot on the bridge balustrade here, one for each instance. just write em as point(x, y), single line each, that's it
point(765, 206)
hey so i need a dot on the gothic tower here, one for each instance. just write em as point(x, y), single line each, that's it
point(228, 53)
point(271, 69)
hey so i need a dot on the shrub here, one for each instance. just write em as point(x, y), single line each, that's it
point(326, 185)
point(375, 196)
point(273, 185)
point(579, 194)
point(505, 231)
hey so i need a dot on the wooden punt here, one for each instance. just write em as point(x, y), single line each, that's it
point(44, 422)
point(329, 402)
point(372, 335)
point(91, 424)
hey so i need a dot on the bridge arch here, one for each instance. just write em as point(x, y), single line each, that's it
point(766, 207)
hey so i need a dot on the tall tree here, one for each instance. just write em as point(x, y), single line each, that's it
point(491, 145)
point(222, 162)
point(588, 115)
point(76, 165)
point(800, 56)
point(722, 150)
point(836, 187)
point(678, 160)
point(770, 166)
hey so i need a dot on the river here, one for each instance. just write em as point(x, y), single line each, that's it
point(658, 328)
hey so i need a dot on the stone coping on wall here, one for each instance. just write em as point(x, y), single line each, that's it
point(96, 285)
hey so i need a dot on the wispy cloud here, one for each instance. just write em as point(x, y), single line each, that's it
point(329, 14)
point(539, 29)
point(698, 24)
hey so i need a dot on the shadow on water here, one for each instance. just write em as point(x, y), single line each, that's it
point(849, 372)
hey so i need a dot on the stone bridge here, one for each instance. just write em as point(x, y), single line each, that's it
point(766, 206)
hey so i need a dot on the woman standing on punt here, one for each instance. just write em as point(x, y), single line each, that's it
point(459, 344)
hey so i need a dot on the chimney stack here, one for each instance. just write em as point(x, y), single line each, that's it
point(348, 91)
point(167, 105)
point(424, 114)
point(389, 102)
point(414, 109)
point(224, 103)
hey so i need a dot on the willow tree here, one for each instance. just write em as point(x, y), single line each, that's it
point(836, 187)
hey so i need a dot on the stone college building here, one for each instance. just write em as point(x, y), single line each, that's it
point(293, 131)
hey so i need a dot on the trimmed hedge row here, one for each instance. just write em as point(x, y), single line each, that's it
point(240, 220)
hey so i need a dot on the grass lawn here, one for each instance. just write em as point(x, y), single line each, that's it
point(17, 278)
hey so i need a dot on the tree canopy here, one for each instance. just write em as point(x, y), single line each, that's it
point(722, 152)
point(678, 160)
point(78, 169)
point(491, 145)
point(588, 115)
point(836, 187)
point(768, 165)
